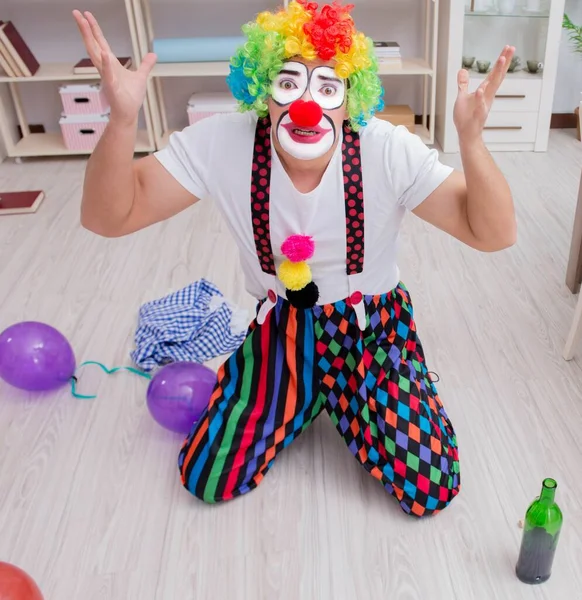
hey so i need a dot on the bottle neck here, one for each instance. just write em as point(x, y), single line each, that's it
point(548, 492)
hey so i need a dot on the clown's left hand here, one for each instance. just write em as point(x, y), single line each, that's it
point(472, 109)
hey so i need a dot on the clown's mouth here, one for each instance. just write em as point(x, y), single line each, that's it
point(304, 132)
point(305, 135)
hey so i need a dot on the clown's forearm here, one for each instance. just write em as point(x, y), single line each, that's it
point(110, 182)
point(489, 202)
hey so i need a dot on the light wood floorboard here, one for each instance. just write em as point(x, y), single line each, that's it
point(90, 501)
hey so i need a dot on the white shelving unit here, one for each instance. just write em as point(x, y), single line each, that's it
point(424, 66)
point(410, 66)
point(520, 116)
point(51, 143)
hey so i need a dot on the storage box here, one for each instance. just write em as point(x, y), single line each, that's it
point(201, 106)
point(83, 99)
point(398, 114)
point(82, 132)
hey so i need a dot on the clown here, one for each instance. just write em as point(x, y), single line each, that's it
point(314, 188)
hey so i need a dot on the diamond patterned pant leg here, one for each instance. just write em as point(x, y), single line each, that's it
point(378, 393)
point(265, 397)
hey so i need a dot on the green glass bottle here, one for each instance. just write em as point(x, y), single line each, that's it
point(541, 531)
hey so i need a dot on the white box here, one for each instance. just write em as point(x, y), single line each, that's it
point(83, 99)
point(82, 132)
point(202, 105)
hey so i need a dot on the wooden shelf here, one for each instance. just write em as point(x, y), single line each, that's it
point(12, 108)
point(520, 13)
point(54, 72)
point(423, 65)
point(193, 69)
point(51, 144)
point(409, 66)
point(521, 74)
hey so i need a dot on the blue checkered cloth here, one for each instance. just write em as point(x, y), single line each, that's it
point(195, 324)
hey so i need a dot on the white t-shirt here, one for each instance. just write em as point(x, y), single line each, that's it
point(213, 157)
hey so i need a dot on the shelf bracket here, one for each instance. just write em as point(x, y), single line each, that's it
point(16, 99)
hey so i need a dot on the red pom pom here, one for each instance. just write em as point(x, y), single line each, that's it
point(305, 114)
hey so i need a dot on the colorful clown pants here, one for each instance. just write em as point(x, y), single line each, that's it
point(374, 384)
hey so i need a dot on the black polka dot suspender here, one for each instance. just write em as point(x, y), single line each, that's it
point(353, 196)
point(260, 189)
point(354, 201)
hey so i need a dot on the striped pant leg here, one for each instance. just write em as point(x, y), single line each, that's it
point(384, 405)
point(265, 397)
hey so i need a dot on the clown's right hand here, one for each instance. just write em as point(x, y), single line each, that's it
point(125, 89)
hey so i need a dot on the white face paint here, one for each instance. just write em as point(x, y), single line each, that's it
point(326, 89)
point(306, 143)
point(290, 84)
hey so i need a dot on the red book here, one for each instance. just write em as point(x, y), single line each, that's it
point(12, 203)
point(18, 49)
point(85, 65)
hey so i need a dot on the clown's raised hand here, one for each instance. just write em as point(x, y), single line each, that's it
point(472, 108)
point(125, 89)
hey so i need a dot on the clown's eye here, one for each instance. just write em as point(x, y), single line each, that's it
point(287, 84)
point(328, 90)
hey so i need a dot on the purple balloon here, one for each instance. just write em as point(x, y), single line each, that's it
point(178, 394)
point(35, 357)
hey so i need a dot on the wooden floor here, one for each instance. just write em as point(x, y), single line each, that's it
point(90, 501)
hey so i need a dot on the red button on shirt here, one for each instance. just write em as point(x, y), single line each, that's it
point(356, 298)
point(272, 296)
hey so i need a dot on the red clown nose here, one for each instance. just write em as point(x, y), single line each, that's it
point(305, 114)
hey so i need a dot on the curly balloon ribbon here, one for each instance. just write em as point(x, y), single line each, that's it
point(108, 371)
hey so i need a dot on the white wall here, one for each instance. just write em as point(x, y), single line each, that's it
point(569, 78)
point(54, 37)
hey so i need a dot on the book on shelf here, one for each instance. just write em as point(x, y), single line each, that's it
point(387, 51)
point(7, 64)
point(387, 48)
point(28, 201)
point(17, 55)
point(392, 62)
point(86, 66)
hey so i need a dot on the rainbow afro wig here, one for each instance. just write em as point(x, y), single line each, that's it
point(301, 30)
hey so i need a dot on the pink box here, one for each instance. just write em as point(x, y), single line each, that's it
point(201, 106)
point(83, 99)
point(82, 132)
